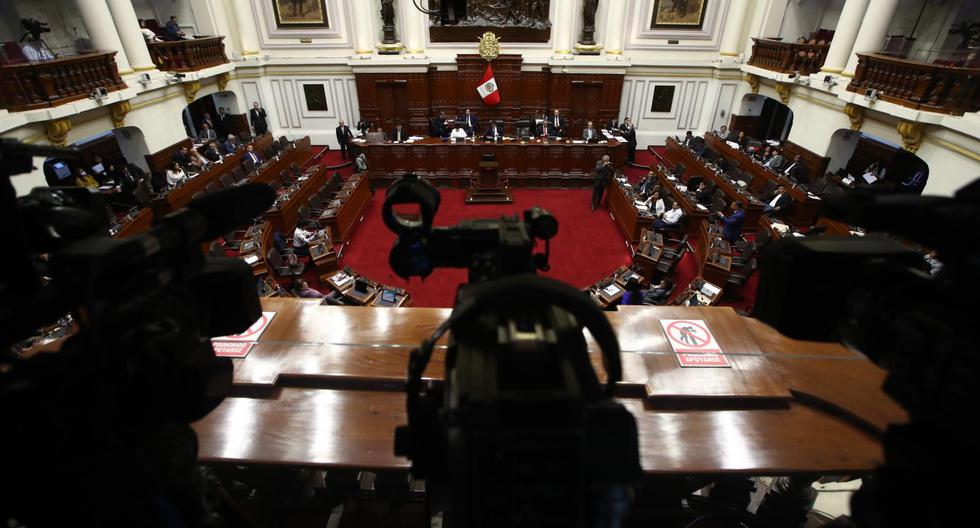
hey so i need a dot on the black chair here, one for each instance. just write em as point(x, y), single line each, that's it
point(227, 180)
point(762, 238)
point(304, 213)
point(694, 181)
point(294, 168)
point(248, 165)
point(216, 250)
point(269, 153)
point(232, 240)
point(326, 194)
point(286, 178)
point(283, 142)
point(280, 267)
point(667, 265)
point(768, 189)
point(275, 185)
point(143, 196)
point(198, 194)
point(739, 276)
point(678, 170)
point(316, 204)
point(673, 246)
point(212, 188)
point(277, 146)
point(245, 137)
point(664, 299)
point(717, 205)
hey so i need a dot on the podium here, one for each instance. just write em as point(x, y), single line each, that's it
point(489, 187)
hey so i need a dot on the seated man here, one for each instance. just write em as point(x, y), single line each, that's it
point(182, 156)
point(470, 122)
point(723, 133)
point(458, 133)
point(544, 127)
point(212, 153)
point(302, 238)
point(657, 294)
point(173, 30)
point(496, 130)
point(648, 183)
point(797, 171)
point(670, 219)
point(779, 204)
point(702, 193)
point(252, 155)
point(398, 134)
point(206, 133)
point(775, 161)
point(84, 179)
point(688, 139)
point(232, 144)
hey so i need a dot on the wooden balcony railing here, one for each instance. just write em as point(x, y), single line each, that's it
point(188, 55)
point(30, 85)
point(933, 87)
point(788, 57)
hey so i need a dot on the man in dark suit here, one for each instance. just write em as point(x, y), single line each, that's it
point(437, 125)
point(250, 154)
point(558, 123)
point(344, 135)
point(630, 135)
point(544, 128)
point(688, 139)
point(797, 171)
point(732, 225)
point(206, 133)
point(612, 125)
point(601, 181)
point(779, 204)
point(702, 193)
point(470, 122)
point(589, 132)
point(212, 154)
point(398, 134)
point(364, 126)
point(222, 124)
point(232, 144)
point(173, 30)
point(258, 116)
point(495, 130)
point(182, 157)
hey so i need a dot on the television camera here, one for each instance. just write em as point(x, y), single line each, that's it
point(34, 29)
point(107, 416)
point(521, 432)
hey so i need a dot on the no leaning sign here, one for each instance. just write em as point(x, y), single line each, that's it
point(693, 343)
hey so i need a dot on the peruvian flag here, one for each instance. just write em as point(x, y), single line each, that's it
point(488, 88)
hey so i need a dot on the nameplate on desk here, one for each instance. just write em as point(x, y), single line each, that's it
point(233, 349)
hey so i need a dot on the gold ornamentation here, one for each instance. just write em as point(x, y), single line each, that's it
point(489, 46)
point(856, 114)
point(190, 90)
point(118, 113)
point(57, 131)
point(912, 134)
point(784, 89)
point(223, 81)
point(753, 81)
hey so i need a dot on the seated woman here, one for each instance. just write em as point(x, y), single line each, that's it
point(656, 204)
point(175, 175)
point(634, 295)
point(303, 290)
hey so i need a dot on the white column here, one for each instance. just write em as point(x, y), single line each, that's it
point(414, 26)
point(365, 36)
point(98, 23)
point(848, 26)
point(246, 22)
point(615, 27)
point(871, 35)
point(561, 29)
point(128, 27)
point(731, 39)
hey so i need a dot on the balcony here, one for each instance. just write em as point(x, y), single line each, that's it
point(932, 86)
point(29, 85)
point(788, 57)
point(188, 55)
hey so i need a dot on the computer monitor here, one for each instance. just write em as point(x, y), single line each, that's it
point(388, 296)
point(360, 286)
point(60, 169)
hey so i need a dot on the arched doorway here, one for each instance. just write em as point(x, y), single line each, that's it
point(763, 118)
point(892, 167)
point(210, 107)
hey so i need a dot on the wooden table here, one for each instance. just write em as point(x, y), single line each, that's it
point(346, 209)
point(321, 389)
point(805, 205)
point(524, 163)
point(676, 153)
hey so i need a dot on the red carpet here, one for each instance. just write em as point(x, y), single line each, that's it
point(588, 246)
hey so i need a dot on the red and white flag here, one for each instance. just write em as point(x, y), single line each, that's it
point(488, 88)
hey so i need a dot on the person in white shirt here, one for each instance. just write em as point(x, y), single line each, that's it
point(175, 175)
point(148, 33)
point(589, 132)
point(656, 204)
point(670, 218)
point(301, 240)
point(458, 133)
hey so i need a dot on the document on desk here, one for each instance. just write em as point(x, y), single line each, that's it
point(694, 343)
point(611, 290)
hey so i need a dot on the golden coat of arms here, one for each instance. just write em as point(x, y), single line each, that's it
point(489, 46)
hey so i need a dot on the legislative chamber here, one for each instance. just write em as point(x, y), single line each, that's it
point(552, 262)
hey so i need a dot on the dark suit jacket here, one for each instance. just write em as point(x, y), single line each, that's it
point(257, 116)
point(545, 125)
point(630, 136)
point(560, 126)
point(489, 132)
point(394, 134)
point(732, 229)
point(601, 177)
point(179, 157)
point(344, 135)
point(211, 155)
point(585, 133)
point(474, 122)
point(222, 123)
point(257, 160)
point(799, 173)
point(784, 202)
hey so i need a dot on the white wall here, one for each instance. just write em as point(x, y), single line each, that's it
point(842, 146)
point(162, 10)
point(62, 17)
point(803, 17)
point(751, 105)
point(132, 144)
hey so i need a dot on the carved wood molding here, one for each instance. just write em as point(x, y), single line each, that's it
point(784, 90)
point(856, 114)
point(57, 131)
point(118, 113)
point(912, 134)
point(223, 81)
point(190, 90)
point(753, 81)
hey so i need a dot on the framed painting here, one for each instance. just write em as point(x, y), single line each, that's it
point(300, 14)
point(678, 14)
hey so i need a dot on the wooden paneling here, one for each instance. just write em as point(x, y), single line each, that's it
point(158, 161)
point(747, 124)
point(522, 93)
point(30, 85)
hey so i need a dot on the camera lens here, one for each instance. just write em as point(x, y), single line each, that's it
point(410, 205)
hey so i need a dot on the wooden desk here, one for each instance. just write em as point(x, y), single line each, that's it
point(328, 383)
point(695, 167)
point(527, 164)
point(346, 209)
point(693, 214)
point(629, 219)
point(805, 205)
point(285, 217)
